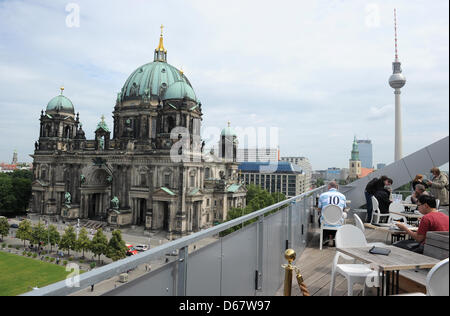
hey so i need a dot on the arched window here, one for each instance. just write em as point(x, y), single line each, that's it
point(48, 130)
point(67, 132)
point(170, 124)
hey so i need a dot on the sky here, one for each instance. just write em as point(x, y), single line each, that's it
point(315, 73)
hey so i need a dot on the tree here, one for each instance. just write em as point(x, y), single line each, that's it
point(24, 231)
point(83, 241)
point(257, 199)
point(68, 240)
point(15, 190)
point(4, 227)
point(99, 244)
point(320, 182)
point(7, 198)
point(54, 236)
point(22, 193)
point(39, 235)
point(116, 247)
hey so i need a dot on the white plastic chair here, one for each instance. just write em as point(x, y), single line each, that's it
point(332, 216)
point(408, 199)
point(396, 207)
point(438, 202)
point(376, 211)
point(437, 279)
point(359, 223)
point(349, 236)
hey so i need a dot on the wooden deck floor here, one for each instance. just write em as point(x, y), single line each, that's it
point(315, 266)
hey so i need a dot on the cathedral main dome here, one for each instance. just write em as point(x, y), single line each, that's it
point(158, 81)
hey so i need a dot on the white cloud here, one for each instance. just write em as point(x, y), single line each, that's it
point(377, 113)
point(311, 68)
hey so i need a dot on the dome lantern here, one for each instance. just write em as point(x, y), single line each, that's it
point(160, 51)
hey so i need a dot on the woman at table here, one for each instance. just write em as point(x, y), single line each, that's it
point(432, 221)
point(418, 180)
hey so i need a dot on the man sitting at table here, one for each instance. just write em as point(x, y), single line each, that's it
point(332, 196)
point(420, 189)
point(431, 221)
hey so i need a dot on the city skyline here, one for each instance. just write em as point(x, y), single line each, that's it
point(317, 103)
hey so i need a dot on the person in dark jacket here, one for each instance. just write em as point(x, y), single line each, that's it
point(383, 197)
point(373, 186)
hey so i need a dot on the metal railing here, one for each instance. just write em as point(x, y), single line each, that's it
point(236, 264)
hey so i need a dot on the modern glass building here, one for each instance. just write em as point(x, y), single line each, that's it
point(365, 153)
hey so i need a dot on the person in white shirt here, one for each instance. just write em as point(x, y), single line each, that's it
point(334, 197)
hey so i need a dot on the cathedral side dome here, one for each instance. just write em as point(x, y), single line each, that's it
point(228, 131)
point(60, 103)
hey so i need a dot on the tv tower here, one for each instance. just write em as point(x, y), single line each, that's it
point(397, 81)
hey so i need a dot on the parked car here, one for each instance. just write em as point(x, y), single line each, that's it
point(131, 251)
point(141, 248)
point(14, 226)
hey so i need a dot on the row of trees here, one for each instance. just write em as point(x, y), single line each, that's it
point(257, 199)
point(15, 191)
point(40, 235)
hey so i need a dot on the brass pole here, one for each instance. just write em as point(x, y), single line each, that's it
point(290, 257)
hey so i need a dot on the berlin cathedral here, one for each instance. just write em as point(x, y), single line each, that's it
point(152, 172)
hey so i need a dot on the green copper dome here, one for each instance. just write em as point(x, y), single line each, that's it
point(179, 90)
point(60, 104)
point(157, 80)
point(355, 151)
point(228, 131)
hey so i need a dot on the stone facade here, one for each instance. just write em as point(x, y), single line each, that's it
point(152, 172)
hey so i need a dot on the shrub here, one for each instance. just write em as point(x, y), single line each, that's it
point(10, 246)
point(29, 254)
point(47, 258)
point(70, 258)
point(81, 261)
point(24, 253)
point(17, 247)
point(34, 255)
point(4, 245)
point(65, 262)
point(92, 265)
point(52, 259)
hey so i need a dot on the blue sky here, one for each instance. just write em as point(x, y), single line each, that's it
point(316, 70)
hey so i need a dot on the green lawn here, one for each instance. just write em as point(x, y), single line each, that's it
point(18, 274)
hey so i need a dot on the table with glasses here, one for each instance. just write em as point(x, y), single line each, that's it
point(395, 233)
point(390, 266)
point(410, 216)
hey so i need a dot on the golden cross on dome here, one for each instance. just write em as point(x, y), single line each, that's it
point(162, 27)
point(62, 89)
point(103, 118)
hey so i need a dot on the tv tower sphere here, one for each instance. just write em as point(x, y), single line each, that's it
point(397, 80)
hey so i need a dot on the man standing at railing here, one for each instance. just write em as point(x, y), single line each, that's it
point(334, 197)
